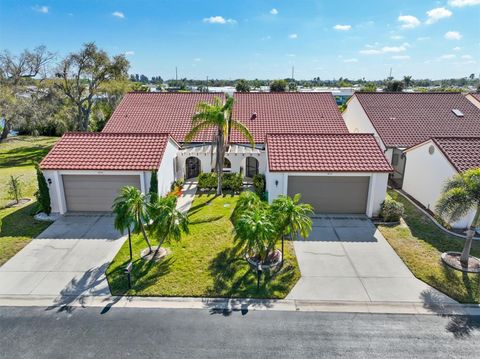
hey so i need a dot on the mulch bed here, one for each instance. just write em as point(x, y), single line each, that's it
point(452, 259)
point(21, 202)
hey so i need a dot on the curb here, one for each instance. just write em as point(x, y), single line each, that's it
point(241, 304)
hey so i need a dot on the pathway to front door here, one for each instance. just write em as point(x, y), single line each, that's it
point(346, 258)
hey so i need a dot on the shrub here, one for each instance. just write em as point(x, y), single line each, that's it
point(15, 188)
point(176, 184)
point(392, 210)
point(153, 191)
point(207, 181)
point(43, 194)
point(259, 184)
point(232, 181)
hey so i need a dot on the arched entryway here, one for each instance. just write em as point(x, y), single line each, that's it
point(227, 165)
point(251, 167)
point(192, 167)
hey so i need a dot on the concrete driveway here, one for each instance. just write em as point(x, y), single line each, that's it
point(348, 259)
point(68, 259)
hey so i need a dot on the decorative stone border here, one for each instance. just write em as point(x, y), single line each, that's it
point(445, 259)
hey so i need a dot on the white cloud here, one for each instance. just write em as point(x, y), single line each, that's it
point(291, 55)
point(350, 60)
point(41, 9)
point(385, 49)
point(453, 35)
point(462, 3)
point(423, 38)
point(129, 53)
point(436, 14)
point(447, 57)
point(394, 48)
point(457, 48)
point(342, 27)
point(396, 37)
point(408, 21)
point(118, 14)
point(219, 20)
point(401, 57)
point(467, 57)
point(274, 11)
point(370, 52)
point(293, 36)
point(197, 59)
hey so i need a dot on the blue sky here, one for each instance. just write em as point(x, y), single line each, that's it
point(259, 38)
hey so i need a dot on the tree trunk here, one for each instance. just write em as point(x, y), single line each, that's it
point(220, 144)
point(144, 234)
point(469, 240)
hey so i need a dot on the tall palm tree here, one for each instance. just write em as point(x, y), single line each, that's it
point(133, 204)
point(167, 222)
point(292, 217)
point(255, 233)
point(219, 116)
point(124, 219)
point(460, 195)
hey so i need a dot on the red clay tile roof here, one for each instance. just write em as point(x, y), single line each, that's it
point(159, 112)
point(288, 112)
point(325, 153)
point(405, 119)
point(276, 113)
point(106, 151)
point(462, 152)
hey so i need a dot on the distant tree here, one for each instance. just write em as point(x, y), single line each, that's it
point(394, 86)
point(256, 84)
point(407, 80)
point(81, 75)
point(369, 87)
point(292, 86)
point(278, 86)
point(242, 86)
point(472, 76)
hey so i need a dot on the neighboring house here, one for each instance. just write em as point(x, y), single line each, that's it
point(474, 97)
point(147, 131)
point(401, 120)
point(431, 163)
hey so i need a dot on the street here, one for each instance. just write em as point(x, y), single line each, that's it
point(37, 332)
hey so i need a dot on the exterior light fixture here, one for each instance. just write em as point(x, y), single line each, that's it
point(276, 183)
point(49, 181)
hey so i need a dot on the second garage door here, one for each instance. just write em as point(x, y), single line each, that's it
point(84, 193)
point(331, 194)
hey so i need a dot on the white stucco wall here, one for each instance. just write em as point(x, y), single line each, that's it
point(166, 174)
point(357, 120)
point(425, 175)
point(277, 184)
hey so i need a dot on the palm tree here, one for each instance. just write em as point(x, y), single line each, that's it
point(407, 80)
point(246, 201)
point(124, 219)
point(167, 222)
point(291, 217)
point(132, 204)
point(219, 116)
point(460, 195)
point(255, 233)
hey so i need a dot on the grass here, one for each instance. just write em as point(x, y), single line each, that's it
point(203, 264)
point(420, 244)
point(17, 158)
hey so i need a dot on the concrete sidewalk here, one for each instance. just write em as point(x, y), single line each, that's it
point(348, 259)
point(185, 201)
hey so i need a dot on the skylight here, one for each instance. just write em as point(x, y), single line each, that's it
point(457, 112)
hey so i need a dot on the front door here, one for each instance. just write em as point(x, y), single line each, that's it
point(192, 165)
point(252, 167)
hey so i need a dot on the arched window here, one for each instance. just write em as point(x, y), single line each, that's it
point(252, 167)
point(227, 163)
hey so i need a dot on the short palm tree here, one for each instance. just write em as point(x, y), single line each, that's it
point(255, 233)
point(219, 116)
point(292, 217)
point(167, 222)
point(460, 195)
point(246, 201)
point(124, 220)
point(132, 205)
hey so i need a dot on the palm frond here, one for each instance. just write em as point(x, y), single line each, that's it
point(240, 127)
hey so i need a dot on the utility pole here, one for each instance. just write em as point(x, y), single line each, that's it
point(390, 76)
point(176, 74)
point(207, 83)
point(293, 72)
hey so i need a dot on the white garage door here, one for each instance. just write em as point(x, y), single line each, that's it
point(331, 194)
point(84, 193)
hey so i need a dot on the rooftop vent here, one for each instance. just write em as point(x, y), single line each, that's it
point(254, 116)
point(457, 112)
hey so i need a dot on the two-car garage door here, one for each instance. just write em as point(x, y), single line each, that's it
point(95, 193)
point(332, 194)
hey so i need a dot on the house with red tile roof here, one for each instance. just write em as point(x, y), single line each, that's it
point(302, 145)
point(431, 163)
point(400, 120)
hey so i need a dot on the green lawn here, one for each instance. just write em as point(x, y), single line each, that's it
point(17, 157)
point(420, 243)
point(203, 263)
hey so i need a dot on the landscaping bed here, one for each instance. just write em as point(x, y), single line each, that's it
point(204, 263)
point(420, 244)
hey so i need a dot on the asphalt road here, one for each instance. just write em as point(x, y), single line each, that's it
point(161, 333)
